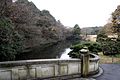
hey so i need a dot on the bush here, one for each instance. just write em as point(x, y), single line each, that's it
point(111, 47)
point(93, 47)
point(101, 37)
point(10, 40)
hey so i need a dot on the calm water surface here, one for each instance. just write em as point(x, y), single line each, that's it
point(59, 50)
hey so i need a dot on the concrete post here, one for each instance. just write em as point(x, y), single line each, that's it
point(28, 72)
point(84, 62)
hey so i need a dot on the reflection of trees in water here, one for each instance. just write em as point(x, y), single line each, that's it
point(49, 52)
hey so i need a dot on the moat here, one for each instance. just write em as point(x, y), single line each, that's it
point(58, 50)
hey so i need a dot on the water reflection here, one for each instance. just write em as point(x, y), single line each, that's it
point(65, 54)
point(49, 52)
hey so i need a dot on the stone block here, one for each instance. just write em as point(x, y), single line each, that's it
point(22, 74)
point(5, 75)
point(73, 68)
point(47, 71)
point(91, 66)
point(63, 69)
point(38, 71)
point(32, 73)
point(15, 75)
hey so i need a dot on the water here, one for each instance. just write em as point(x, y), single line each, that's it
point(59, 50)
point(65, 54)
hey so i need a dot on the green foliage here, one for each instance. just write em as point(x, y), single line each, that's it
point(118, 39)
point(76, 30)
point(101, 37)
point(95, 30)
point(93, 47)
point(111, 47)
point(10, 40)
point(117, 55)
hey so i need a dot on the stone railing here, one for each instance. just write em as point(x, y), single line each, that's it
point(45, 68)
point(94, 64)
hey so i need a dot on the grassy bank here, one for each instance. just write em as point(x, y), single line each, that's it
point(109, 59)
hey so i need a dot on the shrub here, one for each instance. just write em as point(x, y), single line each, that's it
point(93, 47)
point(111, 47)
point(10, 40)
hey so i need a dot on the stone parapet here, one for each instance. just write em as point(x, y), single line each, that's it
point(44, 68)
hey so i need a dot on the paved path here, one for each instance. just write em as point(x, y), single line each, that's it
point(111, 72)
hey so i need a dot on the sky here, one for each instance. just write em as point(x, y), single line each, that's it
point(85, 13)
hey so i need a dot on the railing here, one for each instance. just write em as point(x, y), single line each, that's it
point(44, 68)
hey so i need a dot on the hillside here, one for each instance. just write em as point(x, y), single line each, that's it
point(90, 30)
point(36, 27)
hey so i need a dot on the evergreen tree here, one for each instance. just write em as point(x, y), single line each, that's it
point(76, 30)
point(10, 40)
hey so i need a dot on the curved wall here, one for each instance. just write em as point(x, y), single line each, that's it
point(45, 68)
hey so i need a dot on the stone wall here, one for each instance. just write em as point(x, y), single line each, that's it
point(43, 68)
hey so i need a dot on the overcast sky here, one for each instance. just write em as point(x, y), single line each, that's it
point(86, 13)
